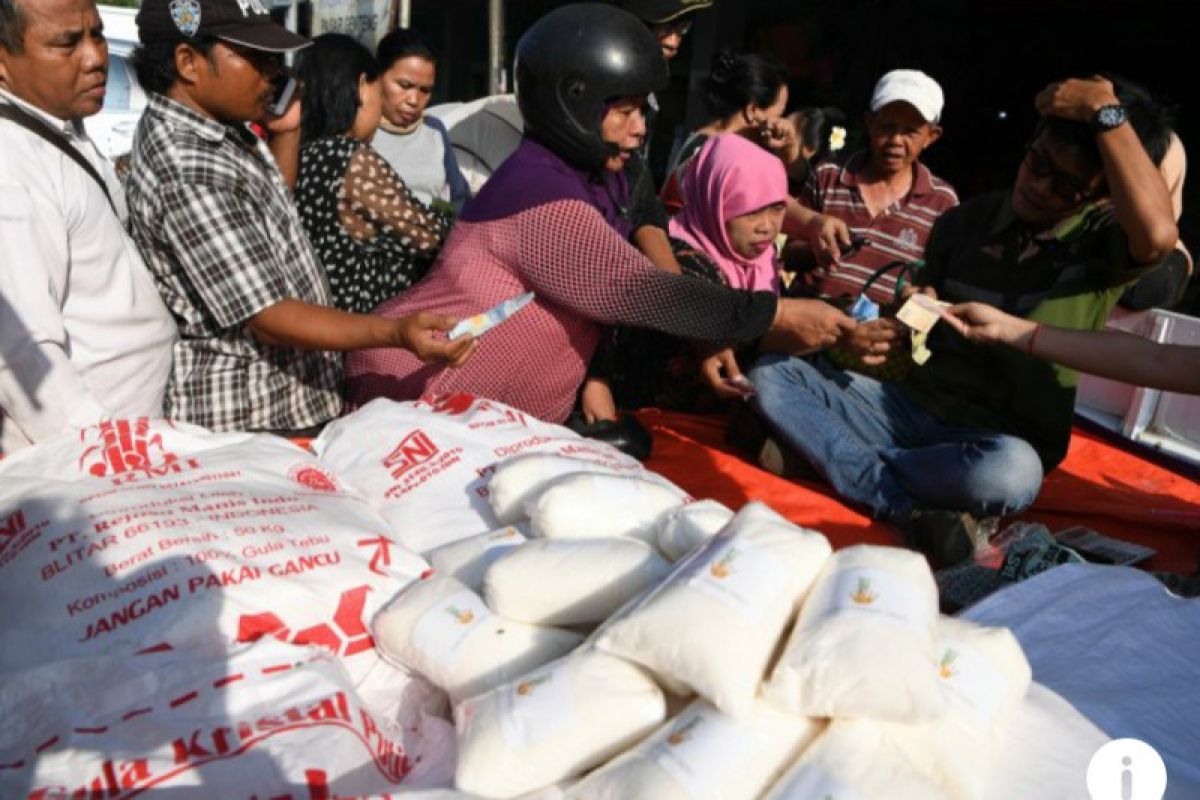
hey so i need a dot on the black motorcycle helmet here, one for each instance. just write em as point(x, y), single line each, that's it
point(573, 61)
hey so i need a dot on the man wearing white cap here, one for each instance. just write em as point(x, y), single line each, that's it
point(884, 194)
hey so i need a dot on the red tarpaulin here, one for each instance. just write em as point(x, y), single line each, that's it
point(1099, 485)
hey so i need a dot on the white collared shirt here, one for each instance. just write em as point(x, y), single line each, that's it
point(84, 335)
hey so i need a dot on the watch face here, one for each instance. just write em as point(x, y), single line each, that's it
point(1110, 116)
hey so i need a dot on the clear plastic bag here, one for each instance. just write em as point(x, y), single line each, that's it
point(1020, 551)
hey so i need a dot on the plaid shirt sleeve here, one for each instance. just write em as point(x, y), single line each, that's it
point(224, 245)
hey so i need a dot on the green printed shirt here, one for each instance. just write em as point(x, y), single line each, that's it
point(1069, 276)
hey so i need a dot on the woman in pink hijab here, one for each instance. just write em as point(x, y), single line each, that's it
point(734, 197)
point(734, 194)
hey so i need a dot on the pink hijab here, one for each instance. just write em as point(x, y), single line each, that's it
point(730, 176)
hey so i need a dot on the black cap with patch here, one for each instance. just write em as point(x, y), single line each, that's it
point(243, 22)
point(658, 11)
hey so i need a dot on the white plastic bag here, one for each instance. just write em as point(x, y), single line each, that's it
point(425, 464)
point(714, 624)
point(552, 724)
point(519, 479)
point(984, 675)
point(584, 506)
point(141, 533)
point(685, 528)
point(468, 560)
point(704, 755)
point(442, 630)
point(852, 760)
point(571, 581)
point(863, 644)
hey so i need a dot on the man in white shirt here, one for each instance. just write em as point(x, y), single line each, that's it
point(84, 335)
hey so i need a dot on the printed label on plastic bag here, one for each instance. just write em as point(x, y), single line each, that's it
point(537, 707)
point(442, 629)
point(743, 576)
point(701, 749)
point(870, 592)
point(970, 680)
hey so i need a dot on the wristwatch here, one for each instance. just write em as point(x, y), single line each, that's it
point(1108, 117)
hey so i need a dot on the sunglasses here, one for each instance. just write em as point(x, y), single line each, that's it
point(265, 62)
point(1066, 186)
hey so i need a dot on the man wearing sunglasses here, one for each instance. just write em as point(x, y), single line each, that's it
point(972, 432)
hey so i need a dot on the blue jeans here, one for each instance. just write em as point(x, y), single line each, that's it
point(878, 447)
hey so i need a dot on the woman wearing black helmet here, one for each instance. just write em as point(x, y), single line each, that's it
point(553, 220)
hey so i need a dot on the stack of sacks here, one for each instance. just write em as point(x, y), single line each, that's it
point(553, 724)
point(425, 465)
point(703, 754)
point(864, 640)
point(591, 506)
point(571, 581)
point(852, 760)
point(442, 630)
point(687, 527)
point(713, 625)
point(920, 704)
point(467, 560)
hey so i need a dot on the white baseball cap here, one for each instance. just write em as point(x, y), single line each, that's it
point(913, 87)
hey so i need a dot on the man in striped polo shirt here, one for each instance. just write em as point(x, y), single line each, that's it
point(884, 194)
point(971, 433)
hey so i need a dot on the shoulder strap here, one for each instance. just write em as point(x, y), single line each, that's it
point(36, 126)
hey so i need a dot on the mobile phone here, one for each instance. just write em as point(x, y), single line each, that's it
point(285, 88)
point(856, 243)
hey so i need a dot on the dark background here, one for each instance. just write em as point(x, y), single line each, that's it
point(990, 57)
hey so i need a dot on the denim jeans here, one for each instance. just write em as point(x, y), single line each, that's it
point(878, 447)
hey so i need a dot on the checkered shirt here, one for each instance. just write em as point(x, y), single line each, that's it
point(219, 232)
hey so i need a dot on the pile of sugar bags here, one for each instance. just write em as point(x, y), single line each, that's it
point(426, 465)
point(728, 655)
point(593, 632)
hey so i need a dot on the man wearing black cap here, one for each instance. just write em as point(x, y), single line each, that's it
point(669, 20)
point(214, 219)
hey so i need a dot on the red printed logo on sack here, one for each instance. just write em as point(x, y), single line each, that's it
point(123, 446)
point(449, 404)
point(313, 478)
point(414, 449)
point(347, 636)
point(11, 528)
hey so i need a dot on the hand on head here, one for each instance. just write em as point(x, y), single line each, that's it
point(1075, 99)
point(423, 335)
